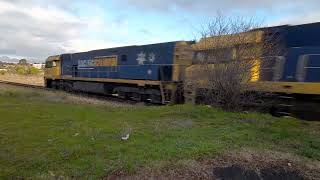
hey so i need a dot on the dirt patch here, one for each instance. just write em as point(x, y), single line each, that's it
point(240, 165)
point(33, 80)
point(279, 173)
point(241, 173)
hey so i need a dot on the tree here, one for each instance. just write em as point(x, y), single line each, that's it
point(23, 62)
point(229, 57)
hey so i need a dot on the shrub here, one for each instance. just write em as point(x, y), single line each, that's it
point(26, 70)
point(33, 71)
point(20, 70)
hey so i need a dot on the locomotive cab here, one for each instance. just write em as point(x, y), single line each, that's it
point(52, 69)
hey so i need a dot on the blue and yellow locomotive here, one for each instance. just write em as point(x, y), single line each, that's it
point(146, 73)
point(158, 72)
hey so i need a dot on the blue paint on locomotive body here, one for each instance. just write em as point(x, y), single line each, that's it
point(311, 68)
point(146, 62)
point(300, 41)
point(305, 35)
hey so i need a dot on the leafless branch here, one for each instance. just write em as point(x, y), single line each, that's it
point(229, 57)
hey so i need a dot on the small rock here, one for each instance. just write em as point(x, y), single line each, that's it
point(289, 164)
point(125, 137)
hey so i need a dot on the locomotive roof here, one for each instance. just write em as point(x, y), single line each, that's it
point(306, 25)
point(131, 46)
point(303, 35)
point(297, 35)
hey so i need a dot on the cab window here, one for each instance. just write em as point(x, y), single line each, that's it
point(50, 64)
point(124, 58)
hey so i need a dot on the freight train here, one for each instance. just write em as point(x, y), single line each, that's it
point(158, 72)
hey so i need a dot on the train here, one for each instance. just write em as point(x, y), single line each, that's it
point(153, 73)
point(158, 72)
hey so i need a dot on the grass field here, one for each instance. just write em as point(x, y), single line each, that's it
point(42, 138)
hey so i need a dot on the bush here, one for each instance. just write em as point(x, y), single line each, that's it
point(27, 70)
point(33, 71)
point(2, 72)
point(21, 70)
point(229, 58)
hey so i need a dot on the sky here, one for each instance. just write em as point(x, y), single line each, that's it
point(36, 29)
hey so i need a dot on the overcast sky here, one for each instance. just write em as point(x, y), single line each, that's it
point(38, 28)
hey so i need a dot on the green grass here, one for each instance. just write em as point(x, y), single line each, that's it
point(41, 138)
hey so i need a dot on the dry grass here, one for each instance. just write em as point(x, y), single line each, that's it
point(32, 79)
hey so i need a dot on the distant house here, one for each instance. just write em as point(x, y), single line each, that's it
point(38, 65)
